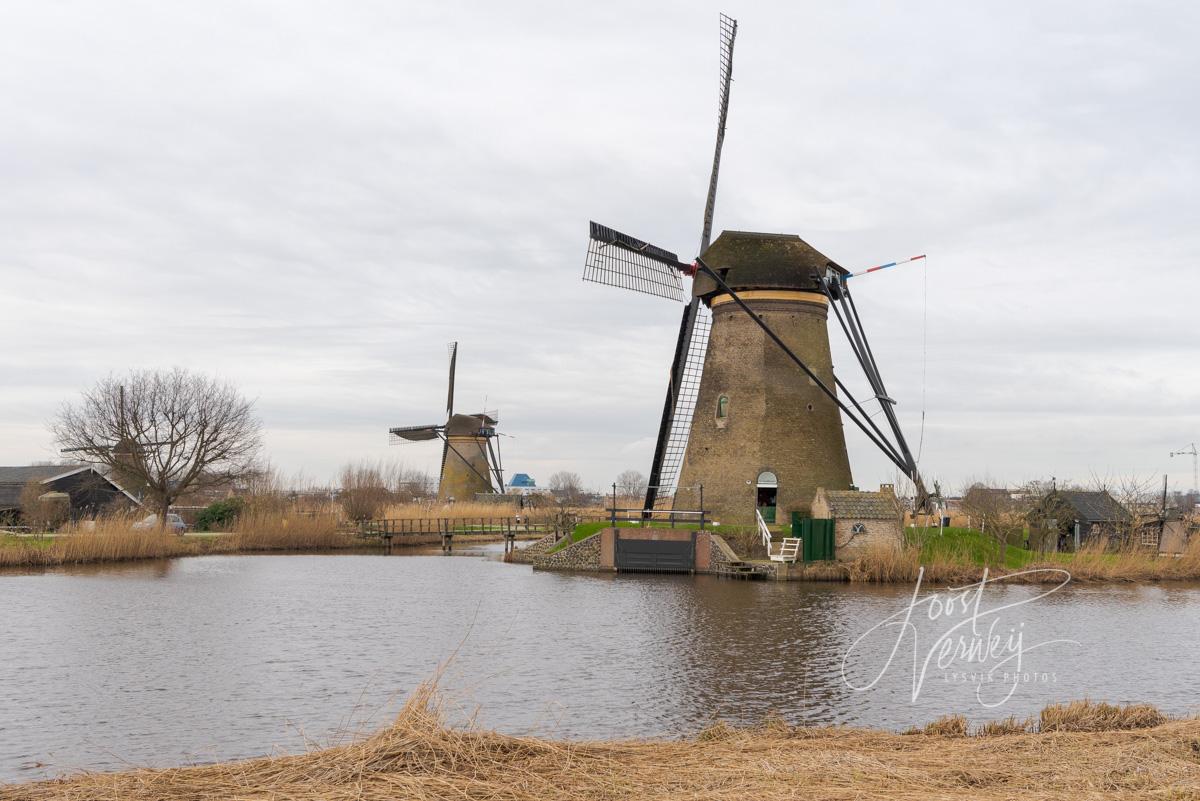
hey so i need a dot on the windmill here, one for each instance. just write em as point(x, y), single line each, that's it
point(768, 434)
point(469, 461)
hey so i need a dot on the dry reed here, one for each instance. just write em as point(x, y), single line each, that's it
point(1009, 725)
point(419, 758)
point(1092, 716)
point(275, 531)
point(115, 540)
point(945, 726)
point(111, 540)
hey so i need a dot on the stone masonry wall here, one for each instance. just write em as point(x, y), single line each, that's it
point(583, 555)
point(527, 555)
point(719, 553)
point(849, 546)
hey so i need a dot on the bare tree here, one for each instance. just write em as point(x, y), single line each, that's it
point(996, 514)
point(410, 483)
point(1139, 502)
point(365, 490)
point(631, 484)
point(165, 431)
point(566, 486)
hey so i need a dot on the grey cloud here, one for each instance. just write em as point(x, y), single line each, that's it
point(312, 199)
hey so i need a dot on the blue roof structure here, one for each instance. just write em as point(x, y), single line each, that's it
point(522, 480)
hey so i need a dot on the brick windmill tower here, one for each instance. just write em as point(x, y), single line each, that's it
point(764, 435)
point(469, 461)
point(753, 412)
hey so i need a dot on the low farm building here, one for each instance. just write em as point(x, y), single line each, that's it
point(87, 489)
point(1096, 515)
point(860, 519)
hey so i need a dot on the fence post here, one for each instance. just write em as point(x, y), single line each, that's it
point(613, 511)
point(702, 507)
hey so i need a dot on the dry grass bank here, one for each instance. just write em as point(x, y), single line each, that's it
point(112, 540)
point(419, 758)
point(115, 540)
point(282, 531)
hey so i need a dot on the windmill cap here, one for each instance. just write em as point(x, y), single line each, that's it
point(468, 425)
point(762, 261)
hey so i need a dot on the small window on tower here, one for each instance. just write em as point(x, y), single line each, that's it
point(858, 528)
point(722, 407)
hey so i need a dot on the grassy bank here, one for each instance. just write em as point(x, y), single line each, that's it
point(1085, 752)
point(959, 555)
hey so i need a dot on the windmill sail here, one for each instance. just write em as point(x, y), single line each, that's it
point(449, 405)
point(683, 407)
point(686, 369)
point(417, 433)
point(728, 35)
point(617, 259)
point(453, 347)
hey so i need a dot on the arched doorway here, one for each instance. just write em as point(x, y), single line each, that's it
point(767, 493)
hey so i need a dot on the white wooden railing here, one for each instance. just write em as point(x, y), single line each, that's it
point(763, 531)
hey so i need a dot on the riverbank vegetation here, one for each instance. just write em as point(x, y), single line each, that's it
point(960, 555)
point(1073, 752)
point(114, 539)
point(267, 530)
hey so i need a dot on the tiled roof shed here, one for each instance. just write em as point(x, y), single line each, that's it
point(848, 504)
point(13, 479)
point(87, 486)
point(1094, 507)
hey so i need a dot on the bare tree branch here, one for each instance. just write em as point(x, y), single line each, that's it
point(162, 432)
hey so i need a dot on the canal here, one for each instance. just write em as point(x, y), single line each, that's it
point(221, 657)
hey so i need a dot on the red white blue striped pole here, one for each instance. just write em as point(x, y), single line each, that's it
point(882, 267)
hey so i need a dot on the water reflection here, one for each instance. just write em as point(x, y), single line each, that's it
point(226, 656)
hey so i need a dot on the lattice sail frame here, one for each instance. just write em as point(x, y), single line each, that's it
point(617, 259)
point(685, 409)
point(620, 260)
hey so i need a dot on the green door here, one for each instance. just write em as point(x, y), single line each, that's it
point(768, 492)
point(816, 535)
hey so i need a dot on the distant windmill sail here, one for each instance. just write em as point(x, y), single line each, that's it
point(449, 407)
point(450, 391)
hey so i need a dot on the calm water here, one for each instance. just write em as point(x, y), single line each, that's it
point(232, 656)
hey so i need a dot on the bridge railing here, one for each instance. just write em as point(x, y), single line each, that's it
point(439, 526)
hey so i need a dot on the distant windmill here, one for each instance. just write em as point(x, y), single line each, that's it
point(469, 461)
point(768, 434)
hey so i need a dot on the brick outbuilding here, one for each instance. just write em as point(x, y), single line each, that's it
point(861, 519)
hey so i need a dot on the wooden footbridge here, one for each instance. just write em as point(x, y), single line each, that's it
point(443, 530)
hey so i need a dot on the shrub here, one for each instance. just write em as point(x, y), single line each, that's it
point(219, 515)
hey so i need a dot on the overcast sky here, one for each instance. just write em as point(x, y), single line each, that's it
point(312, 198)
